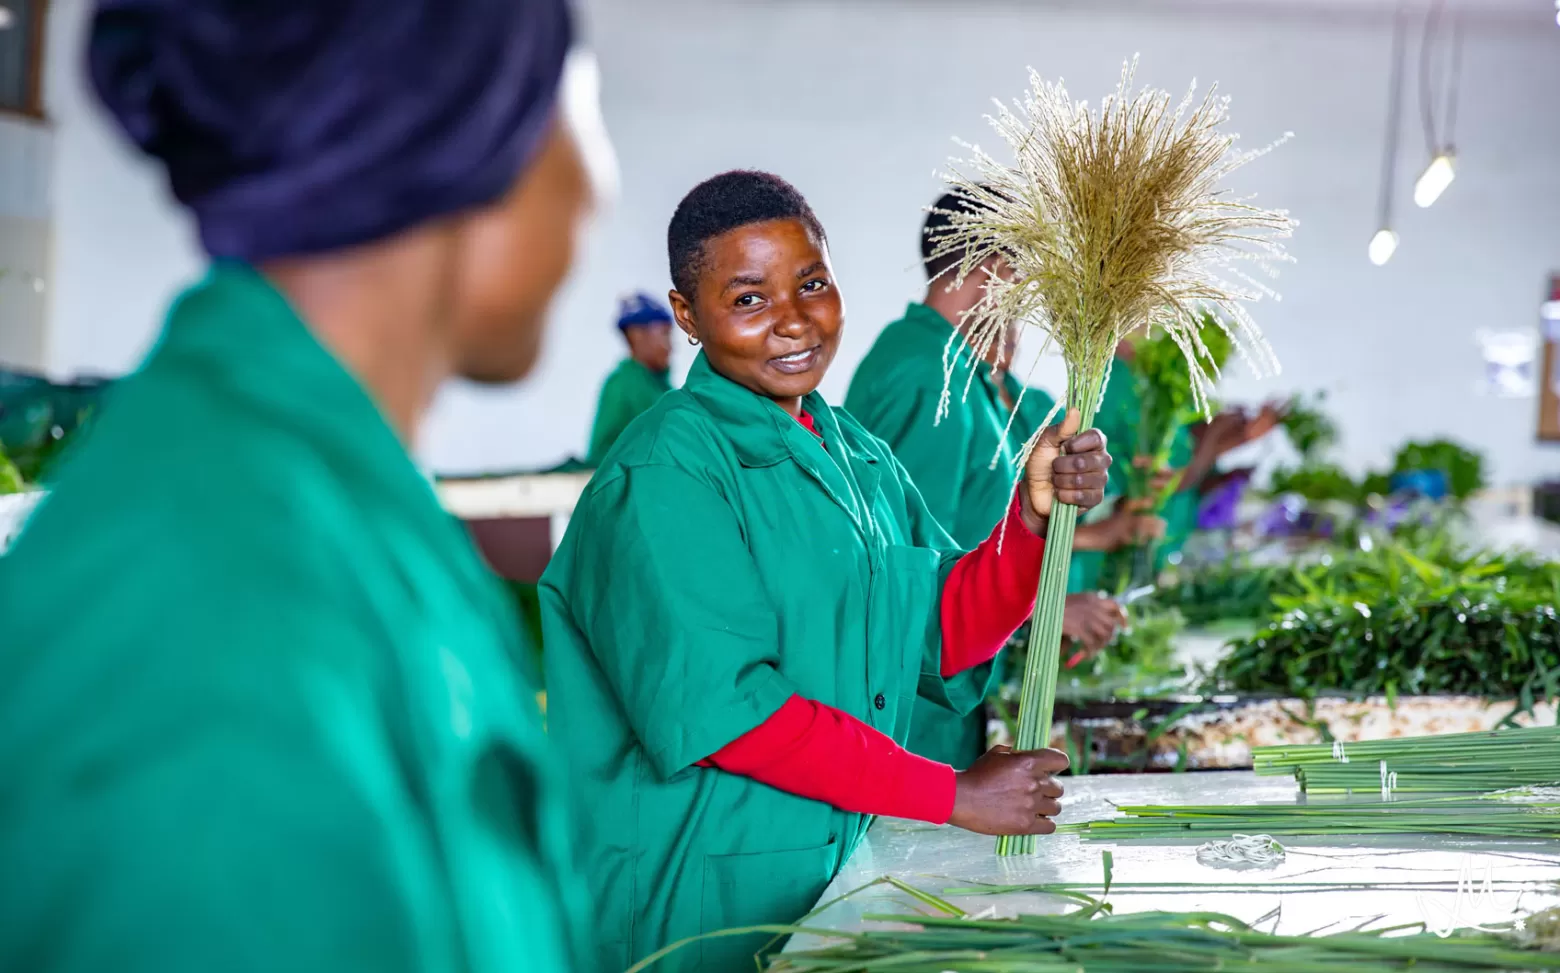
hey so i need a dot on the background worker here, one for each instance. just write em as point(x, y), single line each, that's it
point(963, 463)
point(639, 379)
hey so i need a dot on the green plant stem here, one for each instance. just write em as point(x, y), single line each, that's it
point(1037, 697)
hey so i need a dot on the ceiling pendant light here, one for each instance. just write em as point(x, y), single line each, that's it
point(1384, 244)
point(1434, 180)
point(1442, 169)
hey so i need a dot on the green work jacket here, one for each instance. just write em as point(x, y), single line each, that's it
point(261, 705)
point(723, 560)
point(963, 464)
point(625, 395)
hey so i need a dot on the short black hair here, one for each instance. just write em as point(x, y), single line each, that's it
point(725, 202)
point(937, 223)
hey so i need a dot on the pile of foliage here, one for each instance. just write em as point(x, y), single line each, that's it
point(1225, 590)
point(1313, 433)
point(1139, 663)
point(1310, 429)
point(1394, 620)
point(1464, 469)
point(1319, 482)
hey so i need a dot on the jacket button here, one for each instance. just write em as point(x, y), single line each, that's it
point(880, 702)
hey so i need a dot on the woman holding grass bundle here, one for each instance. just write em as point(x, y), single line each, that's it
point(752, 594)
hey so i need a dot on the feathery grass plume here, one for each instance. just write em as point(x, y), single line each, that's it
point(1105, 222)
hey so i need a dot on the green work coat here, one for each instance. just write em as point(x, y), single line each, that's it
point(722, 561)
point(262, 704)
point(1118, 417)
point(625, 395)
point(894, 394)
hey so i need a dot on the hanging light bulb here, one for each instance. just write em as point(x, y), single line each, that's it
point(1382, 246)
point(1385, 242)
point(1434, 180)
point(7, 18)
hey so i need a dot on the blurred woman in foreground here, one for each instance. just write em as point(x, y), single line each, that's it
point(262, 709)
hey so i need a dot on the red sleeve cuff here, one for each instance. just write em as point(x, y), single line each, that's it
point(816, 751)
point(990, 592)
point(925, 790)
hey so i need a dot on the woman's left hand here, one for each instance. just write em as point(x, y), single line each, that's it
point(1065, 465)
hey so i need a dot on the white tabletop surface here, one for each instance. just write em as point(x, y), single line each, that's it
point(935, 859)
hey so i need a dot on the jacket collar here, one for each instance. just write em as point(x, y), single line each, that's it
point(763, 434)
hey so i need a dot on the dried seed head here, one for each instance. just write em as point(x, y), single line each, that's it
point(1110, 221)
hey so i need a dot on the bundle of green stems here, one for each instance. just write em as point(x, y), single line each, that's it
point(1509, 814)
point(1442, 763)
point(1093, 941)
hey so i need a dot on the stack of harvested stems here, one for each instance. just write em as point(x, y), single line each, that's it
point(1445, 763)
point(1091, 939)
point(1504, 815)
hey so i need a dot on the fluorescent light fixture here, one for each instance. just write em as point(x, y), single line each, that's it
point(1382, 246)
point(1434, 180)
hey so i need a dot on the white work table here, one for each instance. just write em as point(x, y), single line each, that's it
point(937, 858)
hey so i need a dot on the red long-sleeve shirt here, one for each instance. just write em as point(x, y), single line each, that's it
point(820, 752)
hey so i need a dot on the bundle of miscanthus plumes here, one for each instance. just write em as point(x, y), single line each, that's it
point(1443, 763)
point(1106, 223)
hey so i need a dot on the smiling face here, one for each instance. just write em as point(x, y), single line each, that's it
point(766, 309)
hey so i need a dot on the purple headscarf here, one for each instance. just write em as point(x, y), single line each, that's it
point(291, 127)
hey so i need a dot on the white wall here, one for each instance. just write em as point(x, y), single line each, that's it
point(26, 161)
point(121, 249)
point(856, 103)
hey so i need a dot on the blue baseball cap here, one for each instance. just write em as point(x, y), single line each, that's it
point(640, 309)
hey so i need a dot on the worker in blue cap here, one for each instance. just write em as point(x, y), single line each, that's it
point(639, 379)
point(262, 702)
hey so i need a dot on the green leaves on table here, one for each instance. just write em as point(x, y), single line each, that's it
point(1225, 590)
point(1396, 621)
point(1311, 430)
point(1463, 467)
point(1139, 664)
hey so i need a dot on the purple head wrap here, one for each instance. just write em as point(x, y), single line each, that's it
point(293, 127)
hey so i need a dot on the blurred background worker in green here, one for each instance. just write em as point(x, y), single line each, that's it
point(964, 463)
point(1193, 460)
point(262, 704)
point(639, 379)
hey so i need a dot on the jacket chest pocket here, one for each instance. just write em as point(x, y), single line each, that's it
point(904, 619)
